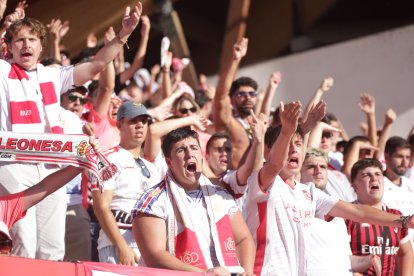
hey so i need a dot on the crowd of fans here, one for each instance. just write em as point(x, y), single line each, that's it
point(209, 179)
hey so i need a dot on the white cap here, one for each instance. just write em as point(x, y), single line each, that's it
point(4, 229)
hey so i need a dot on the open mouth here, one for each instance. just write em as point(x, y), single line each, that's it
point(26, 55)
point(294, 161)
point(374, 187)
point(191, 167)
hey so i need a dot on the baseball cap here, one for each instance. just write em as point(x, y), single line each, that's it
point(4, 229)
point(131, 110)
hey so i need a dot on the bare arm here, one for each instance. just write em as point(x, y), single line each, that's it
point(368, 214)
point(150, 235)
point(274, 81)
point(405, 259)
point(48, 185)
point(85, 71)
point(245, 247)
point(222, 113)
point(390, 117)
point(353, 156)
point(157, 130)
point(289, 116)
point(107, 221)
point(142, 49)
point(367, 105)
point(254, 160)
point(325, 86)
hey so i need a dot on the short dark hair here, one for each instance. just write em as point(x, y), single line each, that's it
point(37, 28)
point(273, 132)
point(201, 97)
point(50, 61)
point(242, 81)
point(395, 142)
point(175, 136)
point(214, 137)
point(362, 164)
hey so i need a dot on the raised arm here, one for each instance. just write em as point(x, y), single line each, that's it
point(353, 156)
point(3, 6)
point(274, 81)
point(57, 30)
point(85, 71)
point(140, 55)
point(390, 118)
point(289, 116)
point(367, 105)
point(222, 112)
point(325, 86)
point(157, 130)
point(254, 160)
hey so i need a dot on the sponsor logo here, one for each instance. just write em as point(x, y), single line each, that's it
point(307, 195)
point(229, 244)
point(7, 156)
point(189, 257)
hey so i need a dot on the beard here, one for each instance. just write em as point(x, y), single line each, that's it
point(243, 112)
point(400, 171)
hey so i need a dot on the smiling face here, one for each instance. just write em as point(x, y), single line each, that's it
point(185, 162)
point(315, 169)
point(369, 185)
point(26, 47)
point(219, 155)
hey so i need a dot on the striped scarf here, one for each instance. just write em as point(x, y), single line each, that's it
point(59, 149)
point(24, 114)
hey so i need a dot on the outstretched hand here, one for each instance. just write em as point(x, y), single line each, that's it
point(326, 84)
point(240, 49)
point(259, 126)
point(316, 113)
point(289, 116)
point(275, 79)
point(367, 103)
point(130, 19)
point(390, 116)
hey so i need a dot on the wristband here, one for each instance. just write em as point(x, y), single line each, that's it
point(122, 42)
point(404, 220)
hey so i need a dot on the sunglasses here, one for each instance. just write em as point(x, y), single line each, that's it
point(327, 135)
point(5, 247)
point(242, 94)
point(144, 168)
point(185, 110)
point(73, 98)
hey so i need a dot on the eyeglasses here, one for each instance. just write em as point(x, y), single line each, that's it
point(185, 110)
point(144, 168)
point(73, 98)
point(327, 135)
point(5, 247)
point(242, 94)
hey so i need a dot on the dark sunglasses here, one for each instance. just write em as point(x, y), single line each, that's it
point(185, 110)
point(242, 94)
point(6, 246)
point(144, 168)
point(327, 134)
point(73, 98)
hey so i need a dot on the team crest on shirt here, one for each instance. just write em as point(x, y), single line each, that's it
point(307, 195)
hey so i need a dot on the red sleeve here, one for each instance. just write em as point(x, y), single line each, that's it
point(11, 208)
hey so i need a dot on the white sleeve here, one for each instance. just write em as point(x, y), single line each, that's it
point(230, 179)
point(324, 202)
point(256, 194)
point(66, 78)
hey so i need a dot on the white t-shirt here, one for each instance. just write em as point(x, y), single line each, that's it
point(127, 186)
point(400, 198)
point(279, 219)
point(339, 186)
point(328, 249)
point(160, 207)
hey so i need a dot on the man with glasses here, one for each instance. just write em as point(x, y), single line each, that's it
point(240, 97)
point(116, 243)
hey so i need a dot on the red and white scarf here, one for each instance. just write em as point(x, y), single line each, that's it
point(185, 245)
point(60, 149)
point(24, 113)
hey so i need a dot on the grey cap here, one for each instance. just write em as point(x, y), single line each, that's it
point(131, 110)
